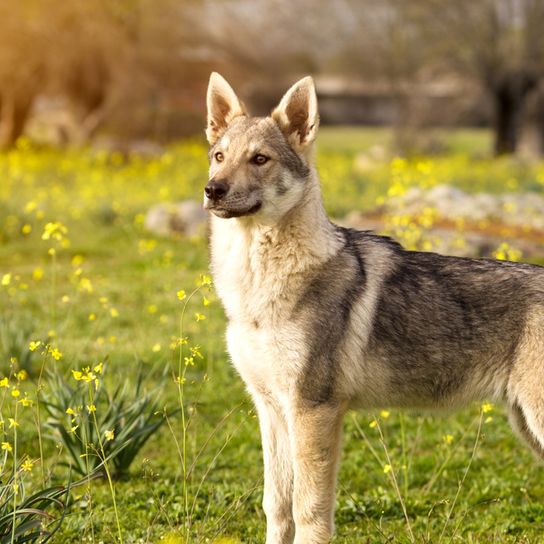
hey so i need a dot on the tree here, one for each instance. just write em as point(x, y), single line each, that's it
point(21, 69)
point(498, 43)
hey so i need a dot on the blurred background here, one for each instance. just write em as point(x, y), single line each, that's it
point(133, 70)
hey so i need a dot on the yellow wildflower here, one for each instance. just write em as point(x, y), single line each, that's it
point(6, 279)
point(373, 424)
point(55, 353)
point(109, 434)
point(25, 401)
point(12, 423)
point(91, 408)
point(77, 260)
point(4, 382)
point(114, 312)
point(385, 414)
point(448, 438)
point(85, 285)
point(99, 368)
point(199, 317)
point(487, 407)
point(195, 351)
point(15, 392)
point(386, 469)
point(27, 465)
point(181, 294)
point(204, 280)
point(55, 230)
point(6, 446)
point(34, 345)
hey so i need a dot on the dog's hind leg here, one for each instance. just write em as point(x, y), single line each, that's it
point(278, 473)
point(519, 423)
point(315, 433)
point(526, 386)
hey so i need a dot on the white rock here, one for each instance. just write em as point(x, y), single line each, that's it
point(185, 217)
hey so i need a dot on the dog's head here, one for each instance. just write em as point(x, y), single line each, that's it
point(259, 166)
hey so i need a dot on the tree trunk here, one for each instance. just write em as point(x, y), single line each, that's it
point(13, 117)
point(510, 95)
point(539, 120)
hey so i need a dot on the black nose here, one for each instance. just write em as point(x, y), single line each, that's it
point(216, 190)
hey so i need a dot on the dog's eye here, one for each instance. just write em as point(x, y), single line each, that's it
point(219, 156)
point(259, 159)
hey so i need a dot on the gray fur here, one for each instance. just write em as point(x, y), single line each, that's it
point(324, 310)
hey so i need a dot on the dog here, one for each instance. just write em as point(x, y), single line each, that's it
point(322, 319)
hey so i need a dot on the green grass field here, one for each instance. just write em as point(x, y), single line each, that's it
point(110, 292)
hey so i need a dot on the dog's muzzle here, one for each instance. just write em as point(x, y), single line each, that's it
point(216, 190)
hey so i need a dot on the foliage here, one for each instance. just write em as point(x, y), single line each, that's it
point(33, 518)
point(127, 417)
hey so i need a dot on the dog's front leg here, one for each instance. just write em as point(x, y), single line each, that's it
point(278, 474)
point(315, 433)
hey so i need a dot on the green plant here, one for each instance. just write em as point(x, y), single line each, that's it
point(112, 427)
point(30, 518)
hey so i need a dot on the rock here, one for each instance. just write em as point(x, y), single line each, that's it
point(187, 217)
point(514, 209)
point(489, 220)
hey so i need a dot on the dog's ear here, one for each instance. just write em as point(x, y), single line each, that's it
point(223, 107)
point(297, 114)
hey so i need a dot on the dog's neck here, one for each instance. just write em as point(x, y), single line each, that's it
point(267, 260)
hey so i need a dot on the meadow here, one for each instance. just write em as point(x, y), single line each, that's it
point(121, 417)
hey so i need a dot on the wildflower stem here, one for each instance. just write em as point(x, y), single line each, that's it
point(404, 457)
point(180, 381)
point(106, 468)
point(87, 472)
point(53, 305)
point(395, 483)
point(460, 486)
point(15, 483)
point(39, 387)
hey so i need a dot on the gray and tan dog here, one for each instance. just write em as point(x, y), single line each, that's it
point(323, 319)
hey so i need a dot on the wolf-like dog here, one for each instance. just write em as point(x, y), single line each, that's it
point(322, 319)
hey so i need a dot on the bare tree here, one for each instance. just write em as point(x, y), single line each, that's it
point(497, 43)
point(21, 67)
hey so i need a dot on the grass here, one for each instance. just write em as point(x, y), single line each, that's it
point(135, 278)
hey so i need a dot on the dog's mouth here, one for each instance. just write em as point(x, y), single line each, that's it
point(227, 213)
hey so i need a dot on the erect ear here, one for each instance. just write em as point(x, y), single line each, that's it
point(223, 107)
point(297, 114)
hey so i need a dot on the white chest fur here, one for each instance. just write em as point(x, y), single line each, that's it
point(259, 274)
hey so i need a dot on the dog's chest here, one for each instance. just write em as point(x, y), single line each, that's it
point(258, 281)
point(268, 359)
point(259, 288)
